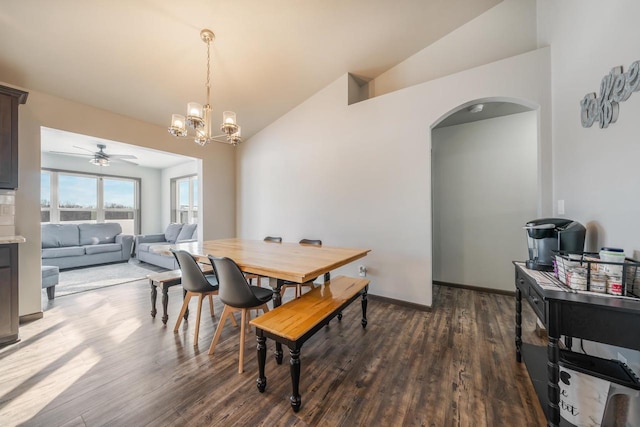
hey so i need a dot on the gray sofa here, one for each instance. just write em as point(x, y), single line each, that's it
point(175, 233)
point(80, 245)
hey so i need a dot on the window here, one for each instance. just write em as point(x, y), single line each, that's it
point(119, 202)
point(83, 198)
point(77, 198)
point(185, 198)
point(45, 197)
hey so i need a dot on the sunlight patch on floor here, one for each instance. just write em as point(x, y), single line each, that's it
point(122, 331)
point(26, 399)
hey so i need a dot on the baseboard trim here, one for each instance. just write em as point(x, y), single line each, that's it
point(31, 317)
point(475, 288)
point(419, 307)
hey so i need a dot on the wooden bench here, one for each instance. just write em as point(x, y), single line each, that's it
point(295, 322)
point(164, 281)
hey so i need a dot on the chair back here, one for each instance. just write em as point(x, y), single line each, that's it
point(234, 289)
point(273, 239)
point(192, 277)
point(311, 242)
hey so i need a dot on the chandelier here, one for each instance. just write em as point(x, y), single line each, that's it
point(198, 116)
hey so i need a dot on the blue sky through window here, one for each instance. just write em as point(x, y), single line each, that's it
point(82, 192)
point(118, 194)
point(77, 191)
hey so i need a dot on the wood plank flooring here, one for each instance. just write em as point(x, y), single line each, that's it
point(98, 358)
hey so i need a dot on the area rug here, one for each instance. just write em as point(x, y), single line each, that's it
point(88, 278)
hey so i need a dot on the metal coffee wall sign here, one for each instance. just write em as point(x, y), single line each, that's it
point(615, 87)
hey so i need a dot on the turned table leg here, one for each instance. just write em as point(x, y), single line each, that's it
point(294, 362)
point(364, 306)
point(276, 286)
point(165, 304)
point(154, 295)
point(261, 382)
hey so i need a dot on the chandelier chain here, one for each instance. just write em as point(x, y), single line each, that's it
point(209, 72)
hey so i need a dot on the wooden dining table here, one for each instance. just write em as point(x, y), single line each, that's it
point(280, 262)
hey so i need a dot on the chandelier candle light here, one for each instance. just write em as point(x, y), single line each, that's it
point(199, 117)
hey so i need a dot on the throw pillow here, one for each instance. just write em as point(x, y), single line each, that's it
point(187, 232)
point(172, 232)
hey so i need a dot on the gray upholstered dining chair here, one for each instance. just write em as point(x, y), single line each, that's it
point(257, 277)
point(195, 283)
point(298, 286)
point(237, 295)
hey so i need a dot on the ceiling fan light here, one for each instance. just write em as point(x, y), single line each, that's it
point(99, 161)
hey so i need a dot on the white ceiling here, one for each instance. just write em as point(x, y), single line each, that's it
point(54, 140)
point(145, 59)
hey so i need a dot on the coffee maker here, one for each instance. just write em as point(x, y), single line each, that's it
point(548, 234)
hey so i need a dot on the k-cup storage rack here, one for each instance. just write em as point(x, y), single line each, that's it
point(629, 277)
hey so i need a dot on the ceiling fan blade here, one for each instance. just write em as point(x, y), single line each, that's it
point(71, 154)
point(121, 156)
point(85, 149)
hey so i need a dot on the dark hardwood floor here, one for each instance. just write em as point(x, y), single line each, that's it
point(98, 358)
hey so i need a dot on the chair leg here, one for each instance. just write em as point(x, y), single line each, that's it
point(264, 307)
point(225, 313)
point(233, 320)
point(243, 325)
point(211, 305)
point(195, 338)
point(185, 305)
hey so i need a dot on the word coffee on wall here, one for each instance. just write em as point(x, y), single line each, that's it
point(615, 87)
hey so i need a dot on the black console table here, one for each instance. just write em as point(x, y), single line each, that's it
point(608, 320)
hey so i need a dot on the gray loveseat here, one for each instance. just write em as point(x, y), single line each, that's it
point(80, 245)
point(175, 233)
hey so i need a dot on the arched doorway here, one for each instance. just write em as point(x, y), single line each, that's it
point(485, 175)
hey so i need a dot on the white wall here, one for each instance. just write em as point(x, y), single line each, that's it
point(149, 183)
point(505, 30)
point(41, 109)
point(595, 170)
point(484, 191)
point(360, 175)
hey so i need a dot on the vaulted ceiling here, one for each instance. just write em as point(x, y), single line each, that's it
point(145, 59)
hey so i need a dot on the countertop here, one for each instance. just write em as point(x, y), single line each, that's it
point(5, 240)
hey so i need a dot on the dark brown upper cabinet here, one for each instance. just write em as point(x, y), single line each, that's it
point(9, 100)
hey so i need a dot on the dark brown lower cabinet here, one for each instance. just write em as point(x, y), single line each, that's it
point(9, 317)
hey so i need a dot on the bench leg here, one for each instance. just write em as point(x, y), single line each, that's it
point(154, 295)
point(364, 306)
point(261, 382)
point(51, 292)
point(276, 286)
point(294, 362)
point(165, 304)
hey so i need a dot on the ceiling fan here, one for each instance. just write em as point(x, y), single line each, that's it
point(100, 158)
